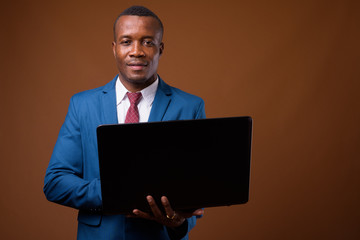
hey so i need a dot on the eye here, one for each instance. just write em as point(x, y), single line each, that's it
point(148, 43)
point(125, 42)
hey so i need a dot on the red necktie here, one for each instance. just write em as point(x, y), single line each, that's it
point(132, 115)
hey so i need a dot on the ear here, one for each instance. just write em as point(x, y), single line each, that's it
point(161, 49)
point(114, 48)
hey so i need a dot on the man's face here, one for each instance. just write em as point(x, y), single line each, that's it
point(137, 49)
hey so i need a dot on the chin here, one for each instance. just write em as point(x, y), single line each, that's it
point(139, 78)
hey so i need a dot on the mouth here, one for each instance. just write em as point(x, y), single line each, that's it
point(137, 65)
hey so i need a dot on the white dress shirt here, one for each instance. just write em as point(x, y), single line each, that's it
point(144, 105)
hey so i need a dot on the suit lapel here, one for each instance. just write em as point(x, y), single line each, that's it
point(158, 110)
point(108, 101)
point(161, 102)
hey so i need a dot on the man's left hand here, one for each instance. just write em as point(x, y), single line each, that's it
point(170, 218)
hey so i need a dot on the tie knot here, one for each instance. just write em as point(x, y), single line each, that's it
point(134, 97)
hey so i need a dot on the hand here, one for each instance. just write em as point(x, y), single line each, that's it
point(170, 218)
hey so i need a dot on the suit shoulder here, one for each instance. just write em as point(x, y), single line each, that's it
point(185, 96)
point(185, 105)
point(92, 94)
point(88, 93)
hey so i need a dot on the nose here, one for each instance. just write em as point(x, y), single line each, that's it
point(136, 50)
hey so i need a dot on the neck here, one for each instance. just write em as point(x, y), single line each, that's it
point(136, 85)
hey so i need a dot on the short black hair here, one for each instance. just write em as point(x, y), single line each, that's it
point(140, 11)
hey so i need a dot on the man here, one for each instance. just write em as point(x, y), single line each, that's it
point(136, 94)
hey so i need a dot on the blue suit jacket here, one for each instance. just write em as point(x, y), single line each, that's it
point(72, 177)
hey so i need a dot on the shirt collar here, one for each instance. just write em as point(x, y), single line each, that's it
point(148, 93)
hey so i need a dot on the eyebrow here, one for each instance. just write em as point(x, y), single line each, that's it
point(127, 36)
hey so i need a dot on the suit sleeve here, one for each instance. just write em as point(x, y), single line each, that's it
point(200, 113)
point(64, 183)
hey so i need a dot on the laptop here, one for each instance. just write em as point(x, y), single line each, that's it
point(195, 163)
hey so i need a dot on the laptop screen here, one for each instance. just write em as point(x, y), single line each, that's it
point(195, 163)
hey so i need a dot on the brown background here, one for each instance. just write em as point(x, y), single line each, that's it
point(291, 65)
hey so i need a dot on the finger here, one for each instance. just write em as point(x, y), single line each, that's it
point(168, 210)
point(154, 208)
point(131, 215)
point(198, 212)
point(141, 214)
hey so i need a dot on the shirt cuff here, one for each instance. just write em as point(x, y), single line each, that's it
point(178, 232)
